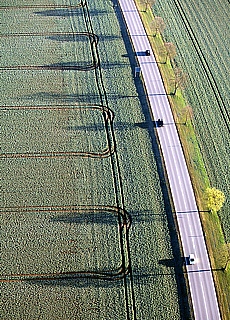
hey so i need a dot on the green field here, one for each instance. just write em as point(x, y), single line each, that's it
point(79, 157)
point(200, 32)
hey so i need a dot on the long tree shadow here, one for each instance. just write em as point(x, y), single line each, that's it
point(98, 215)
point(87, 217)
point(53, 97)
point(66, 12)
point(79, 283)
point(149, 125)
point(61, 12)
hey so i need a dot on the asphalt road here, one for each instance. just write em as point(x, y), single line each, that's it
point(200, 277)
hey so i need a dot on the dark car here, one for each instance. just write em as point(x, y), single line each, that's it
point(147, 52)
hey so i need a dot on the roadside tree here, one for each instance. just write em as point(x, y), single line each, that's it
point(170, 51)
point(187, 114)
point(181, 79)
point(215, 199)
point(147, 3)
point(157, 25)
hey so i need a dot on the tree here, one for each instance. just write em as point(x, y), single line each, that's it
point(181, 79)
point(187, 113)
point(215, 199)
point(170, 50)
point(148, 2)
point(158, 25)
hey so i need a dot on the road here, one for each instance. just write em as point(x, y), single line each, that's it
point(202, 289)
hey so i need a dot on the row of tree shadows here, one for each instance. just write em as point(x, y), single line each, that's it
point(102, 215)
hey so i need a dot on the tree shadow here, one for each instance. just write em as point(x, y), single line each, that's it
point(72, 37)
point(94, 215)
point(67, 12)
point(66, 98)
point(72, 65)
point(60, 12)
point(146, 216)
point(87, 217)
point(80, 282)
point(169, 263)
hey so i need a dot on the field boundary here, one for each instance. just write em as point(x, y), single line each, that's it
point(50, 6)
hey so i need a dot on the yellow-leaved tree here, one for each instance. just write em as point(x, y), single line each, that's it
point(215, 199)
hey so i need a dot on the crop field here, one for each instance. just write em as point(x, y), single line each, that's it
point(200, 32)
point(86, 224)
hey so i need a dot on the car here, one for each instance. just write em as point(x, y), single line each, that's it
point(160, 123)
point(191, 258)
point(147, 52)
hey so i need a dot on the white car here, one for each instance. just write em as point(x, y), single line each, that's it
point(191, 258)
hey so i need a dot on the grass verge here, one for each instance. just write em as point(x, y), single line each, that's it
point(214, 236)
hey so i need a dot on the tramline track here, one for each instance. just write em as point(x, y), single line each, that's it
point(112, 276)
point(125, 271)
point(105, 110)
point(67, 36)
point(68, 208)
point(107, 153)
point(129, 287)
point(40, 6)
point(81, 209)
point(92, 36)
point(107, 114)
point(58, 67)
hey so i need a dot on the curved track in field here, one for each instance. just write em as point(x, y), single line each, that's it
point(64, 36)
point(124, 271)
point(117, 274)
point(108, 117)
